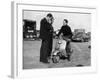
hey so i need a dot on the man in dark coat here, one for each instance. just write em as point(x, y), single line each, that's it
point(46, 34)
point(67, 35)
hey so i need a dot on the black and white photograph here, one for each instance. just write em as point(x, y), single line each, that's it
point(56, 39)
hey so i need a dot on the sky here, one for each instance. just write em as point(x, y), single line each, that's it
point(75, 20)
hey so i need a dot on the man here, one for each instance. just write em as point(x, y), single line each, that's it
point(67, 34)
point(46, 34)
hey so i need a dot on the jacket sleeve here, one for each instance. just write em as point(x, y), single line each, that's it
point(60, 31)
point(42, 29)
point(71, 32)
point(45, 30)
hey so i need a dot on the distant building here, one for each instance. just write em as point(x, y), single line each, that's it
point(29, 28)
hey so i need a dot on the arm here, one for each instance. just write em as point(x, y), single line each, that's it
point(60, 31)
point(42, 29)
point(71, 31)
point(71, 34)
point(45, 26)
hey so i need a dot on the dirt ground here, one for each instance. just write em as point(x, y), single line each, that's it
point(31, 51)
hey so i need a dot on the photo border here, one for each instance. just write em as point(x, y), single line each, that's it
point(17, 42)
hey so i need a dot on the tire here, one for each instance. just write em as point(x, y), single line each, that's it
point(55, 59)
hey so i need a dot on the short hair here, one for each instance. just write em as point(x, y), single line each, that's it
point(66, 20)
point(49, 15)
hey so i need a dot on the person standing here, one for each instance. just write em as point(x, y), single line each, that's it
point(67, 35)
point(46, 34)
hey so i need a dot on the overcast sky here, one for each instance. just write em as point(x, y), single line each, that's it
point(76, 20)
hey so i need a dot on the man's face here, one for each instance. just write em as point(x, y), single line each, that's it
point(64, 23)
point(50, 20)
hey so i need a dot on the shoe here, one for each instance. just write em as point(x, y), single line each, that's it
point(46, 61)
point(68, 58)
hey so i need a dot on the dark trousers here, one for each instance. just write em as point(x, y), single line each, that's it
point(45, 50)
point(68, 45)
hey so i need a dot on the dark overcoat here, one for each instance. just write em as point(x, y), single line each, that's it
point(46, 34)
point(46, 30)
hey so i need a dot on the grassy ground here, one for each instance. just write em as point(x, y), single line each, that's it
point(31, 51)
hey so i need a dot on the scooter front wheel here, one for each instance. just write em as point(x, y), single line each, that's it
point(56, 59)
